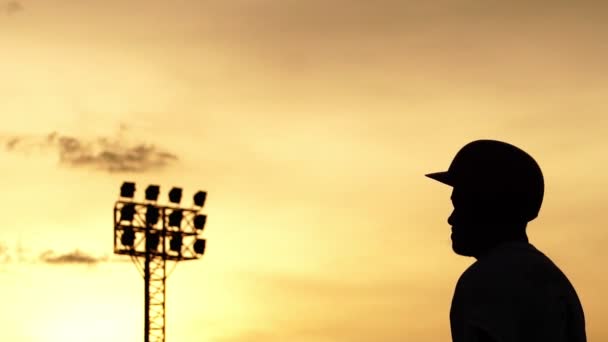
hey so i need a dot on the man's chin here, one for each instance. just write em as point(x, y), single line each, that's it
point(461, 250)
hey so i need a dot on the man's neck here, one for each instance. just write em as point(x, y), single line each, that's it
point(521, 237)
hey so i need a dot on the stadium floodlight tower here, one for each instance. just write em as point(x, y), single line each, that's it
point(153, 235)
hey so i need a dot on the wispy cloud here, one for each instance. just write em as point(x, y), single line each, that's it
point(74, 257)
point(18, 255)
point(5, 257)
point(11, 7)
point(109, 154)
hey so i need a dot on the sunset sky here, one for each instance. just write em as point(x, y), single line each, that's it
point(311, 124)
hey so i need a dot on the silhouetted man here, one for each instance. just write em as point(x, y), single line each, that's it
point(513, 292)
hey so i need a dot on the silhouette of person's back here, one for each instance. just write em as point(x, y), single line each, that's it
point(513, 292)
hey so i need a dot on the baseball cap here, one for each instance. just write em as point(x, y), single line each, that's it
point(500, 168)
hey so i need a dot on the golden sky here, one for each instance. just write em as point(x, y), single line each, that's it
point(311, 125)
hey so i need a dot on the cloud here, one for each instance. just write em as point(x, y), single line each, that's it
point(109, 154)
point(10, 145)
point(5, 257)
point(19, 255)
point(12, 7)
point(74, 257)
point(366, 21)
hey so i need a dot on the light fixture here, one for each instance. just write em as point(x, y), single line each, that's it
point(152, 241)
point(199, 198)
point(175, 195)
point(199, 246)
point(152, 192)
point(175, 218)
point(128, 237)
point(199, 221)
point(154, 234)
point(127, 190)
point(176, 243)
point(127, 212)
point(152, 215)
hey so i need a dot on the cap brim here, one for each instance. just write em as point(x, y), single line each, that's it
point(443, 177)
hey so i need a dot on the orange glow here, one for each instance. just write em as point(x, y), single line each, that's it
point(311, 125)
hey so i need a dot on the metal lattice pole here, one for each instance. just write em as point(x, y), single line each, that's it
point(154, 278)
point(155, 269)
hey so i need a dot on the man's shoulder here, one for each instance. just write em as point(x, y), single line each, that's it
point(518, 285)
point(513, 264)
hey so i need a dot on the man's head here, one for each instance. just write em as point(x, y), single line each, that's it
point(497, 190)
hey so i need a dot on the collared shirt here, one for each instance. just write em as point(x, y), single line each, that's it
point(515, 293)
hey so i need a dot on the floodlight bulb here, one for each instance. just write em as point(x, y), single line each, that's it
point(152, 215)
point(176, 243)
point(175, 195)
point(152, 192)
point(200, 245)
point(199, 198)
point(127, 212)
point(152, 241)
point(128, 237)
point(127, 190)
point(175, 218)
point(199, 221)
